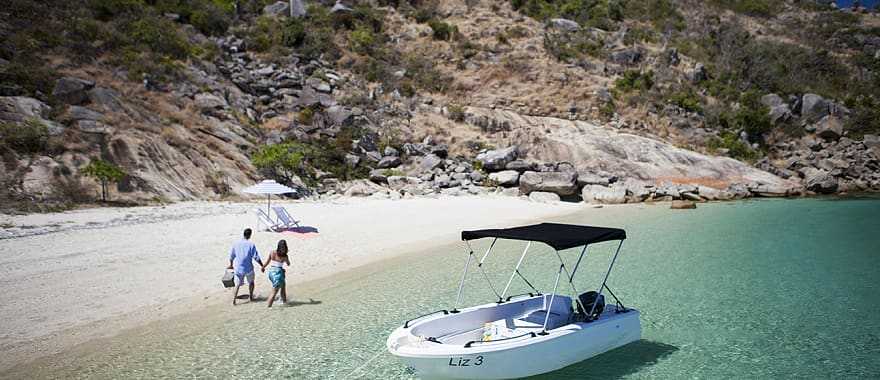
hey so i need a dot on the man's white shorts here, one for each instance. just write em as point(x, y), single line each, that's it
point(244, 278)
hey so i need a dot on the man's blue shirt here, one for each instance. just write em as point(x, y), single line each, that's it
point(243, 255)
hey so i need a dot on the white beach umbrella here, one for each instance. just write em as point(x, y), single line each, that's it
point(268, 187)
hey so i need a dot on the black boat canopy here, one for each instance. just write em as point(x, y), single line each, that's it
point(557, 235)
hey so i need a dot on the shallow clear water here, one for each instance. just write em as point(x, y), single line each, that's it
point(754, 289)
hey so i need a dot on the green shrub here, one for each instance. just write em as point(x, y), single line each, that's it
point(424, 14)
point(28, 77)
point(603, 14)
point(29, 137)
point(104, 172)
point(392, 172)
point(662, 14)
point(634, 80)
point(282, 162)
point(306, 115)
point(456, 112)
point(759, 8)
point(109, 9)
point(565, 46)
point(441, 30)
point(285, 161)
point(686, 99)
point(422, 74)
point(362, 40)
point(210, 20)
point(160, 35)
point(294, 33)
point(865, 117)
point(736, 148)
point(467, 48)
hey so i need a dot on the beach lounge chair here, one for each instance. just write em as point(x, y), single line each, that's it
point(284, 219)
point(264, 218)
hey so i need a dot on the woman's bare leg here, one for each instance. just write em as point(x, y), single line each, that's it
point(272, 297)
point(284, 293)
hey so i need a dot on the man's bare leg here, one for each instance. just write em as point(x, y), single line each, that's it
point(235, 295)
point(251, 291)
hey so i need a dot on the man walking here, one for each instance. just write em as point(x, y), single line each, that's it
point(241, 259)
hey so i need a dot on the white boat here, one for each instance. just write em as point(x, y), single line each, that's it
point(522, 335)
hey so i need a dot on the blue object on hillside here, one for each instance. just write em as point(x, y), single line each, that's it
point(865, 3)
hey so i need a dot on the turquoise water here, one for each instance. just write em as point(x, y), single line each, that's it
point(754, 289)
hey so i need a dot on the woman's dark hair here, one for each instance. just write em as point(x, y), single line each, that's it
point(282, 248)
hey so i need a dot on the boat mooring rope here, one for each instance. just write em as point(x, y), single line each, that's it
point(381, 350)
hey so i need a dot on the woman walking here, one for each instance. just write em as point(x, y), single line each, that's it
point(276, 262)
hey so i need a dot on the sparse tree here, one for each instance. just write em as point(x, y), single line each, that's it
point(104, 172)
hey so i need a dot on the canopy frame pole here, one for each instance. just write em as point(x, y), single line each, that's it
point(601, 287)
point(480, 267)
point(552, 298)
point(578, 264)
point(515, 270)
point(570, 283)
point(463, 277)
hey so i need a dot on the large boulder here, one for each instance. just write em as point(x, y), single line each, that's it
point(603, 194)
point(18, 109)
point(430, 162)
point(698, 73)
point(772, 100)
point(779, 111)
point(872, 142)
point(361, 189)
point(493, 160)
point(829, 128)
point(683, 205)
point(521, 166)
point(399, 182)
point(208, 102)
point(388, 162)
point(278, 8)
point(505, 178)
point(72, 90)
point(819, 181)
point(105, 98)
point(564, 24)
point(813, 107)
point(82, 113)
point(627, 56)
point(562, 183)
point(378, 176)
point(544, 197)
point(779, 114)
point(339, 115)
point(299, 9)
point(589, 178)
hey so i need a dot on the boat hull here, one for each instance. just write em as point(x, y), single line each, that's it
point(525, 357)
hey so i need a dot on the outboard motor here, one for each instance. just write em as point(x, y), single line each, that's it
point(588, 299)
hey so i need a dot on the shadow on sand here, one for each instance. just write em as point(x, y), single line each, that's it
point(615, 364)
point(302, 230)
point(292, 303)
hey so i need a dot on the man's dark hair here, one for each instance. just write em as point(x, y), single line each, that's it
point(247, 233)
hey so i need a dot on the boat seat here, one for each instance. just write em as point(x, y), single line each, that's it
point(536, 318)
point(560, 314)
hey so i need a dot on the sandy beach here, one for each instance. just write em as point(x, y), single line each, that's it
point(81, 275)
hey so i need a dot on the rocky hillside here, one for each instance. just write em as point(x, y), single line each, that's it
point(606, 101)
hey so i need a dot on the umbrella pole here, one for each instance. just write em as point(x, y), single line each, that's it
point(268, 205)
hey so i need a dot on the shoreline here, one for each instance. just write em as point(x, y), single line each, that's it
point(102, 285)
